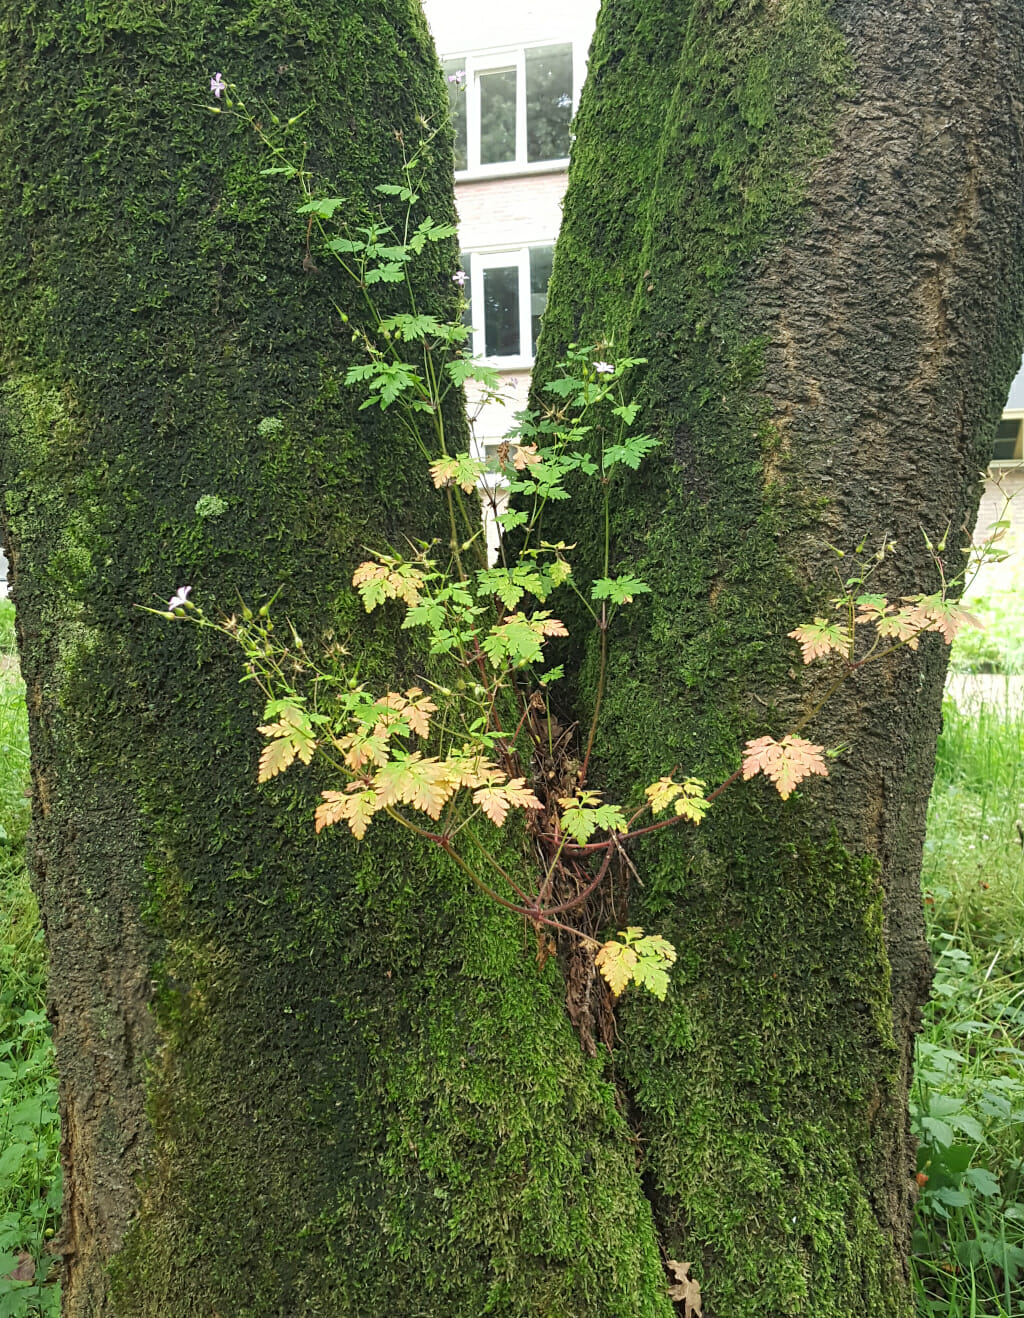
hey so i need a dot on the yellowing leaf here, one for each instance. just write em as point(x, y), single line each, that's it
point(462, 470)
point(786, 762)
point(424, 784)
point(616, 964)
point(356, 806)
point(661, 794)
point(276, 757)
point(686, 1290)
point(366, 747)
point(293, 736)
point(692, 805)
point(551, 626)
point(819, 638)
point(903, 625)
point(495, 800)
point(387, 579)
point(472, 770)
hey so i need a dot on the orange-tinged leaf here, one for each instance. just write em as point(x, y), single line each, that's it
point(495, 800)
point(551, 626)
point(819, 638)
point(616, 963)
point(418, 710)
point(356, 806)
point(443, 471)
point(686, 1290)
point(362, 748)
point(786, 762)
point(424, 784)
point(276, 757)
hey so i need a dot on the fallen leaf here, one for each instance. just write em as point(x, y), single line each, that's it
point(26, 1269)
point(686, 1291)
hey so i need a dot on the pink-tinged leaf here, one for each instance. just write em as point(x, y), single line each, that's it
point(903, 625)
point(819, 638)
point(473, 771)
point(944, 616)
point(551, 626)
point(356, 806)
point(872, 607)
point(786, 762)
point(616, 964)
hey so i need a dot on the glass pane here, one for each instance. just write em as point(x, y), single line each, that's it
point(548, 102)
point(455, 78)
point(497, 117)
point(466, 266)
point(1005, 446)
point(540, 274)
point(501, 311)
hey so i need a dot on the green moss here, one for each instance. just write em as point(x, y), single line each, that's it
point(767, 1090)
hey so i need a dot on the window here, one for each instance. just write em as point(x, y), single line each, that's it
point(511, 109)
point(507, 293)
point(1008, 441)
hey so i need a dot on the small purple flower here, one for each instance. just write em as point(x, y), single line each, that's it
point(458, 77)
point(604, 368)
point(217, 85)
point(459, 277)
point(178, 599)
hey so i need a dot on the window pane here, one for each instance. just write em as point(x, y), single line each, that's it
point(497, 117)
point(457, 104)
point(1005, 446)
point(540, 274)
point(501, 311)
point(466, 266)
point(548, 102)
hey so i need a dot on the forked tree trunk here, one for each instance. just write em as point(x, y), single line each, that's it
point(298, 1077)
point(807, 217)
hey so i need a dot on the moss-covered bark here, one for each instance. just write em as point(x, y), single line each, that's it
point(298, 1076)
point(806, 216)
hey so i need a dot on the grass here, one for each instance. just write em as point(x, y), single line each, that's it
point(967, 1104)
point(968, 1099)
point(29, 1134)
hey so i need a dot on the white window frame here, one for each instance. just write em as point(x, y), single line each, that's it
point(489, 259)
point(498, 61)
point(1015, 414)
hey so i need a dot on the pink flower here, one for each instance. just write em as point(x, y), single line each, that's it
point(178, 599)
point(458, 77)
point(459, 277)
point(217, 85)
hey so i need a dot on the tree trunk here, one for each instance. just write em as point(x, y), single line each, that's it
point(298, 1077)
point(807, 217)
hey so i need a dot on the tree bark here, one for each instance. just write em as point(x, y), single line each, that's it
point(297, 1076)
point(807, 218)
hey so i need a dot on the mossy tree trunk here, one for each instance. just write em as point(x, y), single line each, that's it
point(807, 217)
point(298, 1077)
